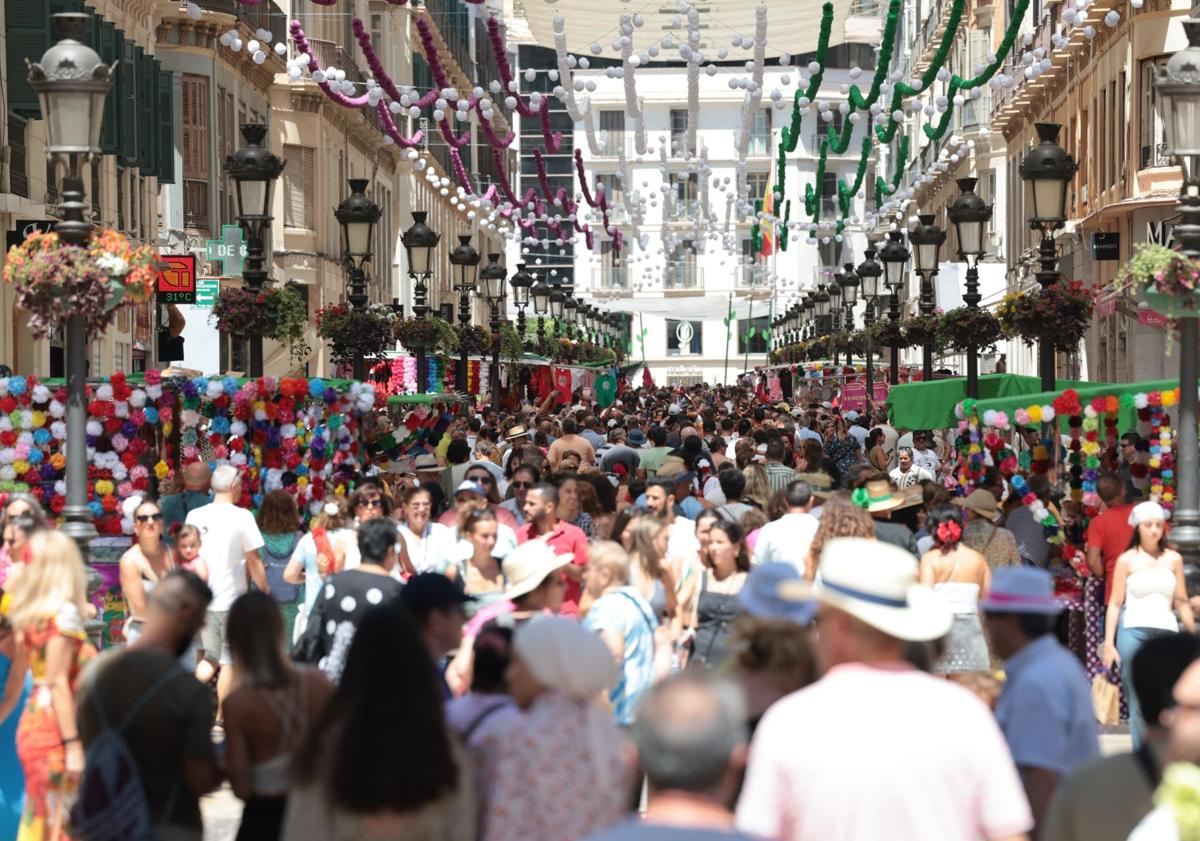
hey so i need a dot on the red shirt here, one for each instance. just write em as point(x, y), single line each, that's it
point(1110, 533)
point(564, 539)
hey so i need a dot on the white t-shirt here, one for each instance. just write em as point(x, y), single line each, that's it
point(431, 551)
point(227, 533)
point(927, 459)
point(786, 540)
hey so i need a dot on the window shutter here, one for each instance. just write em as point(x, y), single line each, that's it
point(195, 127)
point(299, 179)
point(109, 40)
point(147, 106)
point(27, 29)
point(165, 153)
point(129, 103)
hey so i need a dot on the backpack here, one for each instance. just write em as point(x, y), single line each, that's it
point(111, 805)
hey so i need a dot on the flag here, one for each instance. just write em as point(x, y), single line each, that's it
point(647, 380)
point(767, 226)
point(562, 384)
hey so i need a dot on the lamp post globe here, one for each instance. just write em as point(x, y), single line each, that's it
point(357, 215)
point(894, 256)
point(419, 242)
point(464, 263)
point(969, 214)
point(1047, 171)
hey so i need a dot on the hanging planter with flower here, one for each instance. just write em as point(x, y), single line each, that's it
point(53, 280)
point(965, 327)
point(278, 312)
point(354, 334)
point(1061, 313)
point(923, 331)
point(1168, 281)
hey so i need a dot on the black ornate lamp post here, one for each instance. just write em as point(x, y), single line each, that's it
point(357, 215)
point(419, 242)
point(848, 281)
point(895, 256)
point(834, 291)
point(970, 215)
point(493, 276)
point(1047, 171)
point(869, 272)
point(570, 311)
point(1178, 86)
point(72, 82)
point(464, 262)
point(254, 169)
point(558, 302)
point(927, 238)
point(521, 283)
point(540, 293)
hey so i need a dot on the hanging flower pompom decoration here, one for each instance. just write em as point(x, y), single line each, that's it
point(53, 280)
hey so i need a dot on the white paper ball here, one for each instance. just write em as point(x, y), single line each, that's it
point(260, 57)
point(194, 11)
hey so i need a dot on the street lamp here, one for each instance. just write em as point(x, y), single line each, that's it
point(970, 215)
point(71, 83)
point(894, 255)
point(419, 241)
point(357, 215)
point(558, 301)
point(869, 272)
point(254, 169)
point(541, 305)
point(927, 237)
point(1047, 169)
point(1178, 86)
point(464, 262)
point(570, 311)
point(848, 281)
point(493, 276)
point(521, 283)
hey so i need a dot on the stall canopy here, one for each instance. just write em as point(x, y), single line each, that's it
point(1126, 416)
point(931, 405)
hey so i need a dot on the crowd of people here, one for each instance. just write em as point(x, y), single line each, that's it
point(690, 614)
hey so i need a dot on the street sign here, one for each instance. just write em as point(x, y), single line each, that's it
point(230, 249)
point(177, 282)
point(1106, 245)
point(206, 291)
point(24, 227)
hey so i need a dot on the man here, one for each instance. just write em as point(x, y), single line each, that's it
point(479, 473)
point(787, 539)
point(1131, 445)
point(541, 521)
point(458, 454)
point(524, 478)
point(619, 452)
point(570, 440)
point(347, 596)
point(651, 458)
point(855, 425)
point(733, 485)
point(626, 623)
point(1046, 708)
point(1030, 534)
point(168, 737)
point(593, 430)
point(923, 757)
point(778, 474)
point(437, 604)
point(229, 544)
point(674, 470)
point(881, 501)
point(659, 500)
point(806, 430)
point(1105, 799)
point(923, 454)
point(175, 507)
point(690, 734)
point(1109, 533)
point(908, 473)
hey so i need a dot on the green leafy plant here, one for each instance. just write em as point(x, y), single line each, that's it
point(445, 336)
point(288, 312)
point(965, 327)
point(511, 347)
point(242, 312)
point(476, 340)
point(1160, 269)
point(1061, 313)
point(924, 331)
point(885, 333)
point(355, 333)
point(415, 332)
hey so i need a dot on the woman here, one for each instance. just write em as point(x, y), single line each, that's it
point(267, 715)
point(608, 500)
point(816, 464)
point(481, 573)
point(368, 502)
point(770, 658)
point(279, 521)
point(727, 563)
point(377, 763)
point(330, 547)
point(560, 773)
point(145, 563)
point(841, 447)
point(647, 547)
point(877, 456)
point(429, 546)
point(758, 487)
point(840, 517)
point(743, 453)
point(569, 508)
point(963, 577)
point(47, 613)
point(982, 533)
point(1148, 589)
point(23, 508)
point(15, 682)
point(589, 504)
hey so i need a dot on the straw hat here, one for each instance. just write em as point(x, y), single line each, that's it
point(982, 503)
point(876, 583)
point(881, 497)
point(529, 564)
point(516, 432)
point(426, 463)
point(821, 483)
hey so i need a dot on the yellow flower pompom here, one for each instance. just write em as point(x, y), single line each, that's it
point(161, 470)
point(39, 420)
point(1035, 413)
point(302, 482)
point(1170, 397)
point(1155, 462)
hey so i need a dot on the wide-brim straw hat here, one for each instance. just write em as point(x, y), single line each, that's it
point(529, 564)
point(881, 497)
point(982, 503)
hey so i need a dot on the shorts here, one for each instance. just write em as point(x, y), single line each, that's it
point(212, 635)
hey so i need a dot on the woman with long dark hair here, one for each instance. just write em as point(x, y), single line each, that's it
point(727, 563)
point(963, 577)
point(145, 563)
point(279, 522)
point(378, 762)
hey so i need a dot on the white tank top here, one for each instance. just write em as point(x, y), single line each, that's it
point(1149, 597)
point(962, 596)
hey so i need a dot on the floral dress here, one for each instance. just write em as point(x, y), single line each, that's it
point(843, 453)
point(39, 740)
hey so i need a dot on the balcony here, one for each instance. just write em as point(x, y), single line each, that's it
point(453, 21)
point(683, 210)
point(1152, 155)
point(974, 112)
point(618, 142)
point(1005, 104)
point(265, 15)
point(329, 54)
point(681, 275)
point(617, 214)
point(611, 277)
point(751, 275)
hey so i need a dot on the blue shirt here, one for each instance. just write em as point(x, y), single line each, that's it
point(806, 433)
point(689, 509)
point(626, 612)
point(1046, 710)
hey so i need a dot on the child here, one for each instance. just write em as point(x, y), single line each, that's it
point(187, 556)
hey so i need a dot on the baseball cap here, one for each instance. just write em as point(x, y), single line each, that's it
point(432, 591)
point(467, 486)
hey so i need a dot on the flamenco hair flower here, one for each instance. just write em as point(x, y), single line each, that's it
point(949, 533)
point(162, 470)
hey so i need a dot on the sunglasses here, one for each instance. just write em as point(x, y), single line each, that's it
point(521, 484)
point(377, 502)
point(486, 478)
point(149, 518)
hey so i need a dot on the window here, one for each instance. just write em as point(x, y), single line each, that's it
point(18, 173)
point(195, 152)
point(613, 122)
point(684, 338)
point(377, 34)
point(756, 188)
point(613, 274)
point(760, 133)
point(679, 133)
point(752, 334)
point(681, 270)
point(612, 188)
point(1154, 146)
point(750, 271)
point(686, 189)
point(298, 187)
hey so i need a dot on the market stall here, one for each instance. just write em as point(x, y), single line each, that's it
point(930, 405)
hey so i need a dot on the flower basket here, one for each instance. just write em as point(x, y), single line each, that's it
point(415, 332)
point(475, 340)
point(886, 333)
point(1169, 282)
point(965, 327)
point(289, 320)
point(355, 333)
point(279, 313)
point(511, 347)
point(1061, 313)
point(53, 280)
point(924, 331)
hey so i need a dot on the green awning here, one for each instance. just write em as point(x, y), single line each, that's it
point(931, 405)
point(1126, 417)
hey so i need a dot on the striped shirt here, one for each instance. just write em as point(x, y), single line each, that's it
point(779, 475)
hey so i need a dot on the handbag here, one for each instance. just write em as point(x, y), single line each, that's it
point(1106, 699)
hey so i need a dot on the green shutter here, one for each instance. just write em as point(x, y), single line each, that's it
point(147, 101)
point(165, 153)
point(26, 27)
point(129, 103)
point(109, 41)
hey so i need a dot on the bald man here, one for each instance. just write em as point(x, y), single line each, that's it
point(175, 507)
